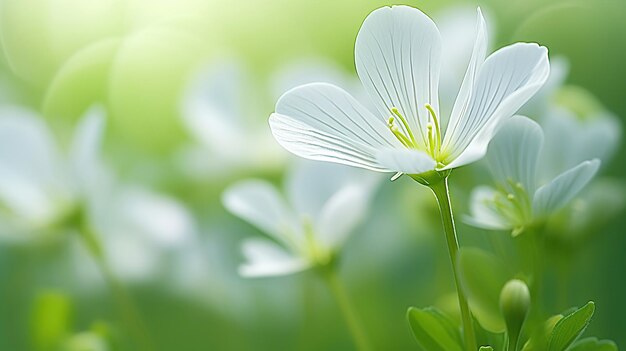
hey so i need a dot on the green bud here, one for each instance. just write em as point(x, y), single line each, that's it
point(514, 306)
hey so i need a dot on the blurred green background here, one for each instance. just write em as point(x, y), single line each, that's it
point(137, 57)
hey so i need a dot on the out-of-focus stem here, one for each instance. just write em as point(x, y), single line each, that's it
point(354, 324)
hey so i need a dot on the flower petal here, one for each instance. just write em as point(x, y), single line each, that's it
point(265, 258)
point(482, 213)
point(565, 187)
point(310, 184)
point(513, 153)
point(570, 140)
point(505, 81)
point(469, 80)
point(32, 181)
point(341, 214)
point(258, 203)
point(409, 161)
point(398, 56)
point(322, 122)
point(464, 40)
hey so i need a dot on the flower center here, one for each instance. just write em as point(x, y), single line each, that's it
point(512, 202)
point(432, 141)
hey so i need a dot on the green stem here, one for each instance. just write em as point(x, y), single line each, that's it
point(354, 324)
point(127, 308)
point(440, 189)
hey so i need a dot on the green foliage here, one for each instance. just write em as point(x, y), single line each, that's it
point(482, 278)
point(50, 320)
point(559, 333)
point(569, 328)
point(593, 344)
point(433, 330)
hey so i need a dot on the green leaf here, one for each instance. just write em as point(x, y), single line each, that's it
point(433, 330)
point(569, 328)
point(50, 320)
point(485, 348)
point(538, 341)
point(482, 278)
point(593, 344)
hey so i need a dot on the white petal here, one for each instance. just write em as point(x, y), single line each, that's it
point(398, 57)
point(565, 187)
point(309, 184)
point(212, 106)
point(85, 148)
point(540, 102)
point(341, 214)
point(322, 122)
point(570, 140)
point(32, 178)
point(514, 151)
point(264, 258)
point(505, 81)
point(156, 217)
point(459, 30)
point(482, 213)
point(478, 57)
point(409, 161)
point(259, 203)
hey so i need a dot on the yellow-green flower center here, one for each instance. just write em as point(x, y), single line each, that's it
point(432, 142)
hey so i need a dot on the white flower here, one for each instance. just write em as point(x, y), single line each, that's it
point(45, 191)
point(518, 201)
point(324, 206)
point(40, 186)
point(398, 54)
point(219, 110)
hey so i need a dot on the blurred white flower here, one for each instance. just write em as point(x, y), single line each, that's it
point(324, 205)
point(398, 58)
point(40, 186)
point(518, 201)
point(221, 112)
point(45, 191)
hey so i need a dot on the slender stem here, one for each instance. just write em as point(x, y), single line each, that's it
point(440, 189)
point(127, 308)
point(354, 324)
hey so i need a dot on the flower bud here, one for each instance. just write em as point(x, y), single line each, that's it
point(514, 306)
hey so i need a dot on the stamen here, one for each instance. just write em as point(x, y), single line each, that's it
point(404, 123)
point(398, 134)
point(436, 123)
point(431, 139)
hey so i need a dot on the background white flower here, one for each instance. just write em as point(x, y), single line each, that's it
point(518, 200)
point(398, 57)
point(323, 206)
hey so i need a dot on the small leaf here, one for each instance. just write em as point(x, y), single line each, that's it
point(538, 341)
point(433, 330)
point(593, 344)
point(482, 278)
point(568, 329)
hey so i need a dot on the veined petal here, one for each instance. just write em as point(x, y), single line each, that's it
point(264, 258)
point(409, 161)
point(556, 194)
point(398, 55)
point(513, 153)
point(259, 203)
point(482, 213)
point(505, 81)
point(322, 122)
point(341, 214)
point(478, 57)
